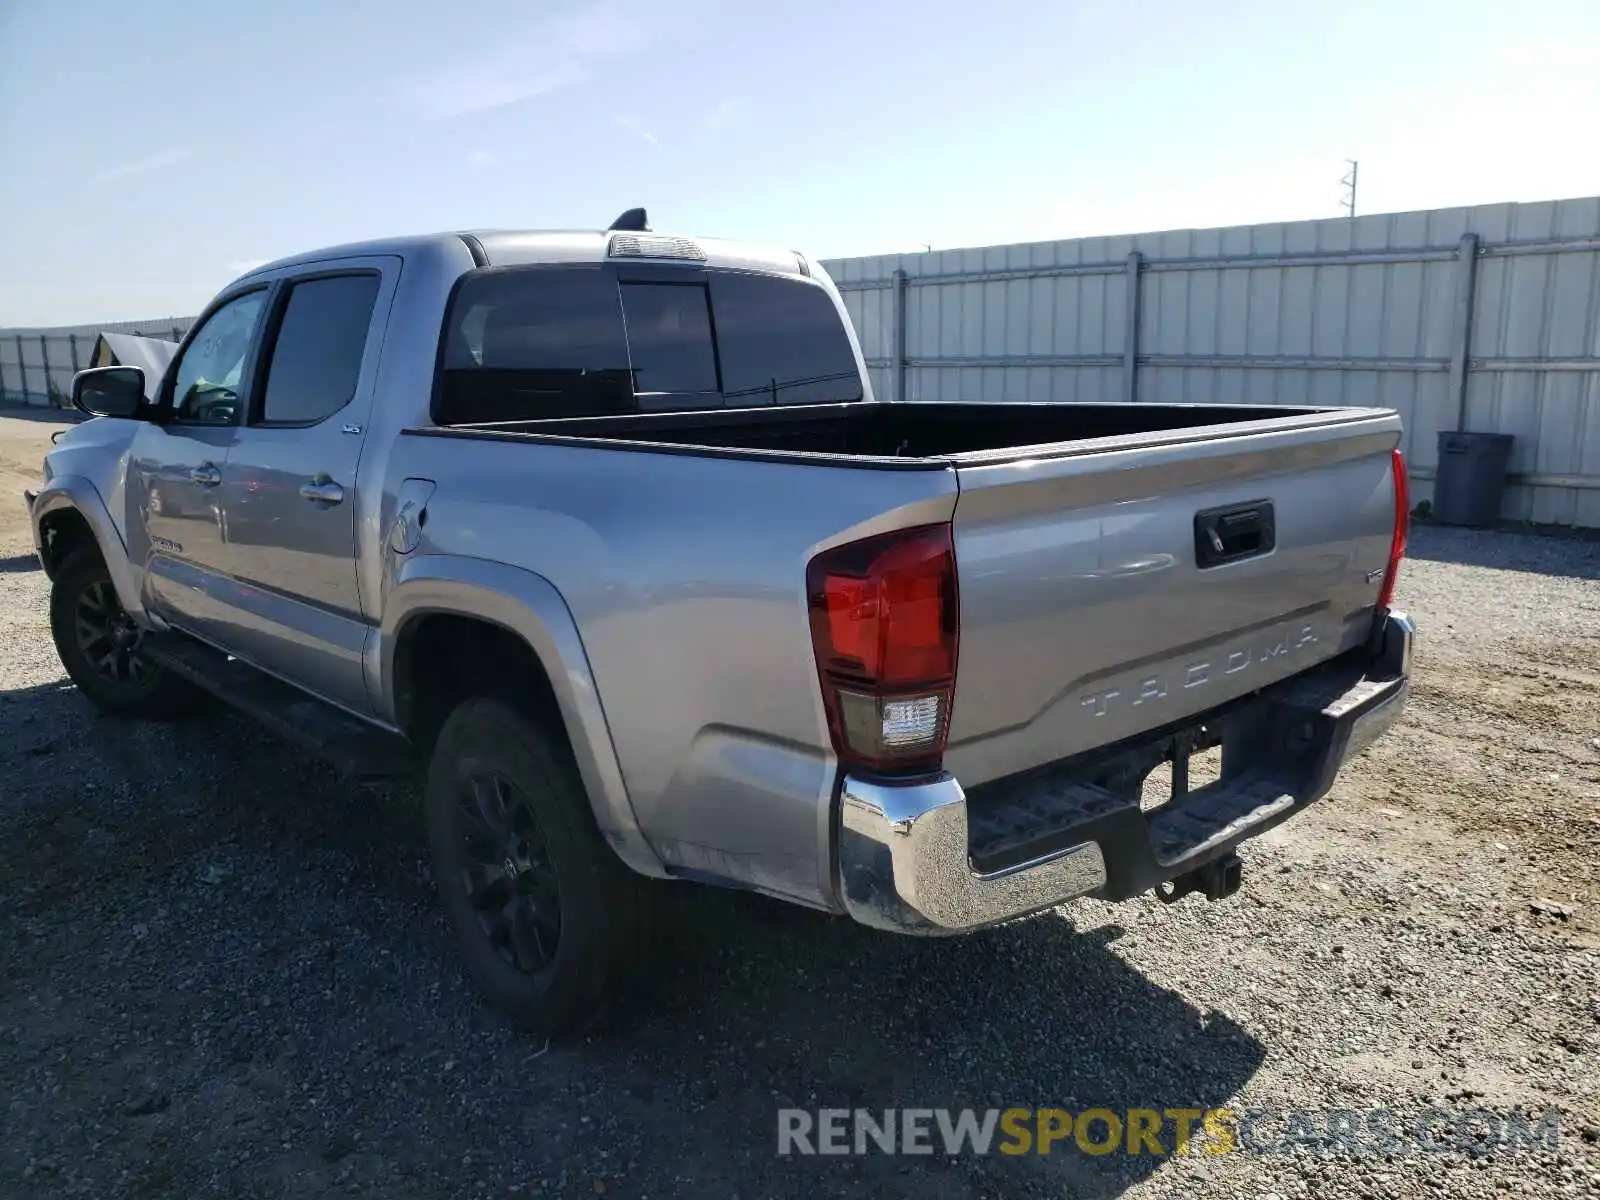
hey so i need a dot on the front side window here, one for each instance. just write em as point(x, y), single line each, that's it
point(316, 357)
point(525, 345)
point(209, 386)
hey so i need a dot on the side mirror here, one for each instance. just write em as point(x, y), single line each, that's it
point(109, 391)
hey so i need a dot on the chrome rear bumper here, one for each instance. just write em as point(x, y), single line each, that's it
point(904, 863)
point(906, 855)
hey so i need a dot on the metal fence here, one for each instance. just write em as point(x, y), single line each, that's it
point(37, 365)
point(1466, 318)
point(1483, 318)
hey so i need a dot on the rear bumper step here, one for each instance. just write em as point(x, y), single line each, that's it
point(929, 858)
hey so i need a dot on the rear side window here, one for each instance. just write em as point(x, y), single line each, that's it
point(316, 357)
point(526, 345)
point(669, 339)
point(781, 342)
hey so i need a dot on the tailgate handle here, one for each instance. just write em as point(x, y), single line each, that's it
point(1239, 531)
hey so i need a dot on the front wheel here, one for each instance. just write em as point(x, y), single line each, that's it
point(99, 645)
point(545, 915)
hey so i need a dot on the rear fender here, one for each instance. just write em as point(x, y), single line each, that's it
point(529, 606)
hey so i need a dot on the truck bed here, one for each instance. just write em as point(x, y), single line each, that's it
point(1091, 610)
point(875, 430)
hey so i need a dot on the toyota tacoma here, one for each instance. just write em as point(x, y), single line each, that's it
point(606, 533)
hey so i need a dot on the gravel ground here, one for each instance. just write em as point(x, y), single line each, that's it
point(222, 971)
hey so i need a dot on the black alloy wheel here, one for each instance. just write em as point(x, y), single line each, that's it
point(506, 870)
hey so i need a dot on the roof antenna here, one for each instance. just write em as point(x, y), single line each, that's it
point(635, 220)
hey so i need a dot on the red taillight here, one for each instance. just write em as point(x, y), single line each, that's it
point(884, 629)
point(1402, 522)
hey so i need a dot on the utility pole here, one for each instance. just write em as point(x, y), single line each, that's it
point(1348, 203)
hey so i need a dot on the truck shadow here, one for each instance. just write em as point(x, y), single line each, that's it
point(241, 928)
point(1041, 1013)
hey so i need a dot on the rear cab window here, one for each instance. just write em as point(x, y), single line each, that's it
point(669, 344)
point(781, 342)
point(533, 343)
point(541, 343)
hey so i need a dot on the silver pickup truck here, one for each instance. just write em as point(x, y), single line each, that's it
point(607, 529)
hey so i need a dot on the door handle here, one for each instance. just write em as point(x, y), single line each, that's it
point(322, 490)
point(206, 475)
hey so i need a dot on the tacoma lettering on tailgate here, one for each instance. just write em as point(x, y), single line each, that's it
point(1155, 686)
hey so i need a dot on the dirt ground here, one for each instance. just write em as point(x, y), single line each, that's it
point(24, 441)
point(222, 971)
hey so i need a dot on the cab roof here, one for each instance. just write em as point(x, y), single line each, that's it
point(504, 247)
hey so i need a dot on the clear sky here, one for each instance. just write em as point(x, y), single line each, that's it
point(150, 151)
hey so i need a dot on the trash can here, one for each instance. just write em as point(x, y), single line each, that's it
point(1471, 477)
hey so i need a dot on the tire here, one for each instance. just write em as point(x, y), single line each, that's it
point(546, 917)
point(98, 644)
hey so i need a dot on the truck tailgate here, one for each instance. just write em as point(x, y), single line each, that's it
point(1117, 585)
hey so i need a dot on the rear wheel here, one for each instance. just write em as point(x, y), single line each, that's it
point(545, 914)
point(99, 645)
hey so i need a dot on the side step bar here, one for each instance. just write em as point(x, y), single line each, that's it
point(362, 751)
